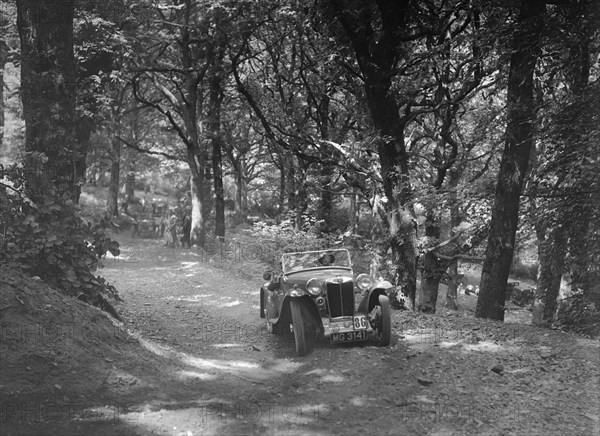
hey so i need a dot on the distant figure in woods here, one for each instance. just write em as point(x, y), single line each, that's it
point(171, 232)
point(187, 228)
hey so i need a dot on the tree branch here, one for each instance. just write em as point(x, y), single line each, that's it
point(143, 150)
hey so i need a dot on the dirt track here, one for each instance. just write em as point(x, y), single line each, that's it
point(208, 366)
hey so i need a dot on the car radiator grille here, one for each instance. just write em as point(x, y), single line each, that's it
point(340, 297)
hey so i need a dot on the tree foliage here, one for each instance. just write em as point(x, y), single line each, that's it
point(49, 240)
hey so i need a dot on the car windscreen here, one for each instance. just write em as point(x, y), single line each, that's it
point(315, 259)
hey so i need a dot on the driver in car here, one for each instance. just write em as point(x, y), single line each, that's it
point(327, 259)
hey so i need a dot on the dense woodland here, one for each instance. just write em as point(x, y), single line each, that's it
point(431, 132)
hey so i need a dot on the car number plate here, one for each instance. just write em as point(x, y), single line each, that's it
point(358, 335)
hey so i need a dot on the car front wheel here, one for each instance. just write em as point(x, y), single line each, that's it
point(299, 328)
point(384, 322)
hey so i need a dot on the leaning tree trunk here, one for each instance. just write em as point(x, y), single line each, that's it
point(398, 215)
point(48, 84)
point(515, 159)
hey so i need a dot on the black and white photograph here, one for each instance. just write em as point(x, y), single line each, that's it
point(299, 217)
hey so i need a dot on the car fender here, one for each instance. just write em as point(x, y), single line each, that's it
point(309, 309)
point(371, 299)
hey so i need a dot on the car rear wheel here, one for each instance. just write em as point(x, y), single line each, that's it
point(299, 328)
point(384, 321)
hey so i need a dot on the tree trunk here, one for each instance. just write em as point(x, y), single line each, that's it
point(112, 205)
point(301, 194)
point(455, 220)
point(289, 169)
point(326, 200)
point(431, 272)
point(215, 99)
point(129, 190)
point(198, 231)
point(48, 84)
point(219, 192)
point(452, 287)
point(3, 59)
point(513, 167)
point(551, 253)
point(327, 171)
point(354, 212)
point(196, 154)
point(282, 184)
point(83, 132)
point(578, 246)
point(578, 77)
point(377, 52)
point(404, 254)
point(241, 190)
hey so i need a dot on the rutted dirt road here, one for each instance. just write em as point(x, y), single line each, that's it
point(247, 381)
point(207, 365)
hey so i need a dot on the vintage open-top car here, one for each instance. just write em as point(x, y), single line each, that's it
point(317, 296)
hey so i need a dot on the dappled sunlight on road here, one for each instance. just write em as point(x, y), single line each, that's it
point(224, 365)
point(189, 298)
point(331, 378)
point(220, 302)
point(286, 365)
point(197, 375)
point(229, 303)
point(217, 416)
point(228, 345)
point(206, 415)
point(362, 401)
point(328, 376)
point(256, 371)
point(189, 264)
point(488, 346)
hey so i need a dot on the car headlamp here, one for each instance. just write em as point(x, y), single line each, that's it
point(364, 282)
point(313, 286)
